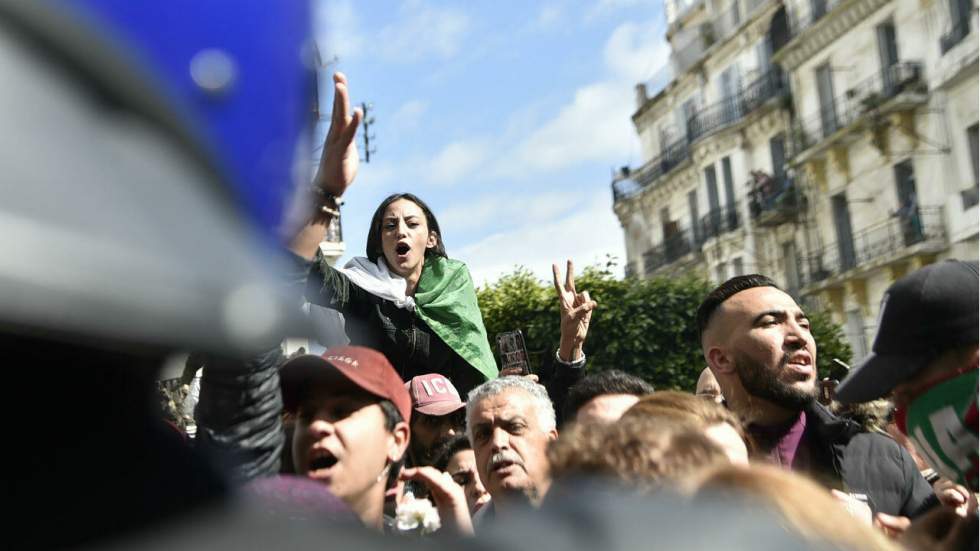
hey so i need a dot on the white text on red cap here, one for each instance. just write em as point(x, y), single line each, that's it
point(345, 359)
point(438, 386)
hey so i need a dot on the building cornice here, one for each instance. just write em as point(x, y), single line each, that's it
point(811, 40)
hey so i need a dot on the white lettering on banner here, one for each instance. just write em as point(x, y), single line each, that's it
point(426, 387)
point(437, 383)
point(953, 437)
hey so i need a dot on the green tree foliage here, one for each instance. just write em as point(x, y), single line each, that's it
point(830, 344)
point(642, 326)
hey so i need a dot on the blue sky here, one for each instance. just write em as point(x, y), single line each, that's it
point(506, 117)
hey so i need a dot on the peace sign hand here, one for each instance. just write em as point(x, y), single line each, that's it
point(576, 313)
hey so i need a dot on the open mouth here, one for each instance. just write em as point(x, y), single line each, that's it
point(501, 465)
point(322, 460)
point(402, 249)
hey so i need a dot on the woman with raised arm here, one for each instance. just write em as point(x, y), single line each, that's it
point(407, 298)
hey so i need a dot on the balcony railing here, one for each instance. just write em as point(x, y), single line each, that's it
point(674, 247)
point(673, 155)
point(844, 110)
point(692, 44)
point(732, 109)
point(773, 200)
point(960, 30)
point(734, 15)
point(809, 13)
point(718, 221)
point(903, 230)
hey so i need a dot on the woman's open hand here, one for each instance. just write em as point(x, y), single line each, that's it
point(339, 159)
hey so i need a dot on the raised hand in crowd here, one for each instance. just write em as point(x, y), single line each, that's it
point(339, 159)
point(315, 206)
point(448, 497)
point(576, 313)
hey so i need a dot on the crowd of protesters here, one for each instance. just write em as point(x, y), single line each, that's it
point(411, 430)
point(382, 423)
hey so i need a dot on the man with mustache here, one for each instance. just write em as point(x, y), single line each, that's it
point(510, 421)
point(757, 343)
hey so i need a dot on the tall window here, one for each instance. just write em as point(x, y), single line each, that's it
point(971, 196)
point(731, 214)
point(887, 55)
point(828, 108)
point(972, 135)
point(713, 223)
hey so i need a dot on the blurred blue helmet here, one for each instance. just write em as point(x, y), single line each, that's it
point(149, 149)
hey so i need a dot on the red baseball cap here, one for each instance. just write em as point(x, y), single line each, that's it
point(433, 394)
point(368, 369)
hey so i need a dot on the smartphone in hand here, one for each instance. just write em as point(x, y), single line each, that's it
point(513, 352)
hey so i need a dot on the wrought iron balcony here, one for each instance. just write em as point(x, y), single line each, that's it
point(718, 221)
point(860, 100)
point(732, 109)
point(915, 226)
point(674, 247)
point(773, 200)
point(673, 155)
point(691, 44)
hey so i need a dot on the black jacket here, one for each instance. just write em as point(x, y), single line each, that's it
point(409, 344)
point(843, 456)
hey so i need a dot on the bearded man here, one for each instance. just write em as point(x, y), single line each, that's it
point(757, 342)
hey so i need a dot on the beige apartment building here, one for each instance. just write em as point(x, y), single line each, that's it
point(830, 144)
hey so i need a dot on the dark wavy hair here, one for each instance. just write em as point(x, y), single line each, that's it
point(374, 250)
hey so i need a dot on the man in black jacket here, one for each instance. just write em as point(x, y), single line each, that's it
point(758, 344)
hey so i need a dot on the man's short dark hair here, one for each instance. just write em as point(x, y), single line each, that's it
point(612, 381)
point(725, 291)
point(452, 446)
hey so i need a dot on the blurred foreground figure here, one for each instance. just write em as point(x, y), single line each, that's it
point(926, 355)
point(141, 193)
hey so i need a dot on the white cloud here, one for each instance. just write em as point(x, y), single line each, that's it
point(456, 160)
point(408, 116)
point(595, 126)
point(337, 29)
point(635, 51)
point(421, 32)
point(606, 7)
point(549, 15)
point(504, 211)
point(586, 235)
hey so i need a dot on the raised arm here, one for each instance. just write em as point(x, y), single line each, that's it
point(576, 313)
point(314, 207)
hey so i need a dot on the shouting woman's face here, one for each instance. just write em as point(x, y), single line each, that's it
point(405, 236)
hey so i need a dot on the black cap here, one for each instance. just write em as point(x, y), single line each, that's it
point(922, 315)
